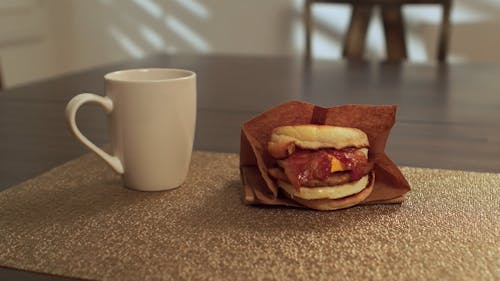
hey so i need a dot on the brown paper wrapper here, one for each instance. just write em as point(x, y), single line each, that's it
point(376, 121)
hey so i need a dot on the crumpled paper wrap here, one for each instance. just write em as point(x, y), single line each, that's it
point(376, 121)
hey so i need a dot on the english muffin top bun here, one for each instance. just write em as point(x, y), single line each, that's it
point(285, 139)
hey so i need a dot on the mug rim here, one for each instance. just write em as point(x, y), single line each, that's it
point(111, 76)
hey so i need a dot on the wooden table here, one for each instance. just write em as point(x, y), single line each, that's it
point(448, 115)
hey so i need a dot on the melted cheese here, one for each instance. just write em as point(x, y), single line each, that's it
point(327, 192)
point(337, 166)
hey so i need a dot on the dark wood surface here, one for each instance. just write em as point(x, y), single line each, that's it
point(448, 115)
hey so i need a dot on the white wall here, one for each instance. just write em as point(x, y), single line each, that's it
point(27, 45)
point(71, 35)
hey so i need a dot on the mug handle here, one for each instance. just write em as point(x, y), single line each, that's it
point(71, 109)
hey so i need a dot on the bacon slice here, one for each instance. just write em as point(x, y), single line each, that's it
point(305, 166)
point(353, 160)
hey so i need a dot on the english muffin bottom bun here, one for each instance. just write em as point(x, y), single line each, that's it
point(326, 204)
point(322, 167)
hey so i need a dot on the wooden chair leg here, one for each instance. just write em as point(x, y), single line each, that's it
point(308, 27)
point(444, 33)
point(1, 78)
point(394, 32)
point(354, 42)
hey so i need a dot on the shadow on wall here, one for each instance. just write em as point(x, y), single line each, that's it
point(139, 27)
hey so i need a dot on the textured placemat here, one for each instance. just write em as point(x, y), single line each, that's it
point(76, 220)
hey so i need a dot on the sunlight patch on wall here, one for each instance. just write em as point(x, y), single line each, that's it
point(150, 7)
point(152, 33)
point(152, 37)
point(194, 7)
point(126, 43)
point(428, 14)
point(375, 40)
point(332, 18)
point(335, 17)
point(187, 34)
point(432, 14)
point(329, 24)
point(324, 47)
point(297, 36)
point(416, 48)
point(462, 14)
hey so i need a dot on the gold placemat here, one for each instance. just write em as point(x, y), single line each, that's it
point(76, 220)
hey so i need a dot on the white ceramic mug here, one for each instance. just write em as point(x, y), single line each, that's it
point(151, 115)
